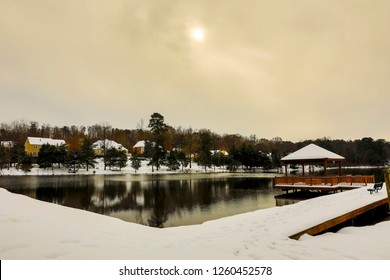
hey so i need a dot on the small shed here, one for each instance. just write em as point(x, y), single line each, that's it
point(139, 147)
point(313, 154)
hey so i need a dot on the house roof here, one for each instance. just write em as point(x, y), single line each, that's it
point(139, 144)
point(41, 141)
point(7, 144)
point(109, 144)
point(312, 152)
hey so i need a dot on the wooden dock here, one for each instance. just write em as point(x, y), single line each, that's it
point(333, 184)
point(323, 184)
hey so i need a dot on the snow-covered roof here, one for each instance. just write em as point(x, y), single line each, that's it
point(223, 152)
point(139, 144)
point(7, 144)
point(312, 152)
point(108, 144)
point(41, 141)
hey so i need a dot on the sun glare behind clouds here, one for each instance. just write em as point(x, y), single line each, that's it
point(197, 34)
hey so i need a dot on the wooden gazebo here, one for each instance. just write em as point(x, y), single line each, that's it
point(313, 155)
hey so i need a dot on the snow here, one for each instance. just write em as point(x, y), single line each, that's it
point(99, 169)
point(41, 141)
point(312, 151)
point(139, 144)
point(100, 144)
point(32, 229)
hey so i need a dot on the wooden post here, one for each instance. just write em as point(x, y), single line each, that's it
point(339, 168)
point(325, 165)
point(387, 180)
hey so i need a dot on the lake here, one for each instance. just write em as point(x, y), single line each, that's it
point(153, 200)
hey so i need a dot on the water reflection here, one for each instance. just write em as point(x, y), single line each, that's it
point(158, 201)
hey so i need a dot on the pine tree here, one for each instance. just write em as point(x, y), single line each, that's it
point(46, 156)
point(121, 160)
point(135, 162)
point(87, 154)
point(26, 164)
point(158, 128)
point(172, 161)
point(204, 158)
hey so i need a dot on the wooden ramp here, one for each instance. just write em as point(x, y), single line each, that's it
point(324, 226)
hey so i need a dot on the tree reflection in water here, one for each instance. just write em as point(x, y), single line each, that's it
point(157, 201)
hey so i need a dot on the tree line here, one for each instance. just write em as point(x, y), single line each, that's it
point(177, 147)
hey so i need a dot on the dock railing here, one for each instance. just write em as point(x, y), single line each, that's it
point(325, 180)
point(387, 181)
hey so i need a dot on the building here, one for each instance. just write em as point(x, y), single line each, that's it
point(139, 147)
point(7, 144)
point(313, 154)
point(34, 144)
point(101, 145)
point(219, 152)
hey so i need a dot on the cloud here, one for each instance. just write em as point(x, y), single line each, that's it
point(295, 69)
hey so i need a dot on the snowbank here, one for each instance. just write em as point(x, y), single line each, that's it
point(32, 229)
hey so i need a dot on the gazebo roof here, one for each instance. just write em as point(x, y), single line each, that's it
point(312, 153)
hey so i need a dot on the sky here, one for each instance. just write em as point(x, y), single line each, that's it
point(296, 69)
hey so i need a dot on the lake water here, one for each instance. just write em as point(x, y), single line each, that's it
point(154, 200)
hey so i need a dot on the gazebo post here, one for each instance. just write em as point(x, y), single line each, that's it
point(325, 165)
point(303, 169)
point(339, 168)
point(285, 168)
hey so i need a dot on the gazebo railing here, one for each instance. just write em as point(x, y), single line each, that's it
point(325, 180)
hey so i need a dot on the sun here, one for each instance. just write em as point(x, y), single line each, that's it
point(197, 34)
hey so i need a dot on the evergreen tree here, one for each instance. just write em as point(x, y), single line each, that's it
point(116, 158)
point(182, 158)
point(87, 154)
point(204, 158)
point(4, 160)
point(50, 154)
point(46, 156)
point(17, 154)
point(121, 160)
point(110, 157)
point(233, 160)
point(135, 162)
point(158, 128)
point(172, 161)
point(26, 164)
point(218, 159)
point(60, 154)
point(72, 161)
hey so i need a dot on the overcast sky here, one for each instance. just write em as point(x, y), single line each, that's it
point(296, 69)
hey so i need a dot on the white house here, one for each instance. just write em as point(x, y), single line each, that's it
point(100, 145)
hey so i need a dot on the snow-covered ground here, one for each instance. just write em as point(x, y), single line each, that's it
point(99, 169)
point(32, 229)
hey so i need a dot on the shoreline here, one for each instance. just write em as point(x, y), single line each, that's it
point(144, 170)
